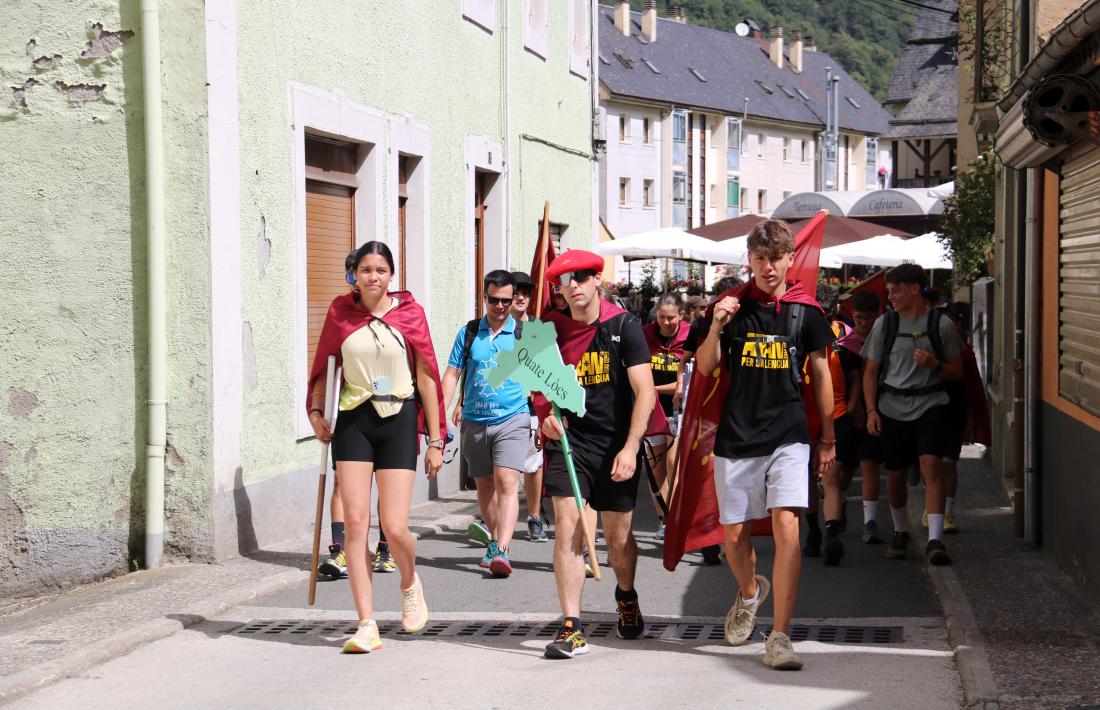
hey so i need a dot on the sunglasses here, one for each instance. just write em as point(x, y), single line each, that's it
point(579, 276)
point(494, 301)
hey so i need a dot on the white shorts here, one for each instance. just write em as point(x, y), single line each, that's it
point(533, 462)
point(749, 488)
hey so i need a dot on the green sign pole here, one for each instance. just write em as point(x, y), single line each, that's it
point(569, 463)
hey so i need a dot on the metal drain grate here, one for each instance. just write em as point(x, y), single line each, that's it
point(655, 631)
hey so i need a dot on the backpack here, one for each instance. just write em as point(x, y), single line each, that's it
point(890, 324)
point(794, 317)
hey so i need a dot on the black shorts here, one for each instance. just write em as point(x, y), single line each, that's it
point(593, 467)
point(387, 442)
point(847, 442)
point(954, 446)
point(904, 441)
point(870, 447)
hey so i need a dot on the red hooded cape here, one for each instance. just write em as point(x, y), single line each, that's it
point(675, 347)
point(574, 338)
point(979, 430)
point(345, 317)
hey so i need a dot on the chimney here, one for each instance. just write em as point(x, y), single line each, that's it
point(676, 14)
point(622, 16)
point(809, 45)
point(775, 46)
point(649, 20)
point(796, 50)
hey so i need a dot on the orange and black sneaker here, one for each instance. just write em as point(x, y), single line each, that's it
point(570, 640)
point(631, 624)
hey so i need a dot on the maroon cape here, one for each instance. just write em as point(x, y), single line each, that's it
point(675, 347)
point(978, 428)
point(345, 317)
point(693, 514)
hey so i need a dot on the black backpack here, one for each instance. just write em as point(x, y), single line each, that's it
point(890, 324)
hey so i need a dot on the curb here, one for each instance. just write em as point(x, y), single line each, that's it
point(978, 684)
point(23, 682)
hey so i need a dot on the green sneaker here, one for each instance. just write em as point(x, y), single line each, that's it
point(493, 550)
point(478, 532)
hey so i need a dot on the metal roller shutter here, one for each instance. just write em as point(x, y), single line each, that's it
point(1079, 279)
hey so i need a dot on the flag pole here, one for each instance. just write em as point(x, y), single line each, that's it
point(331, 378)
point(544, 238)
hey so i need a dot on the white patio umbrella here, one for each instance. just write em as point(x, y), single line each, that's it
point(945, 190)
point(664, 243)
point(888, 250)
point(735, 251)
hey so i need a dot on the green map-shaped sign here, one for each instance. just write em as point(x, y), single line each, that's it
point(536, 365)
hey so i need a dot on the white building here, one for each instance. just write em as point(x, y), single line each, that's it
point(703, 125)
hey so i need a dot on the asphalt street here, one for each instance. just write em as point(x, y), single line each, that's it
point(877, 638)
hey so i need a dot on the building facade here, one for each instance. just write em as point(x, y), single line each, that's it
point(703, 125)
point(441, 131)
point(1030, 94)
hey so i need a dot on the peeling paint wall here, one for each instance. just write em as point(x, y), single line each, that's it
point(72, 268)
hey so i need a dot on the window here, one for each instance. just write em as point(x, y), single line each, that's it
point(761, 201)
point(647, 131)
point(761, 146)
point(733, 143)
point(786, 150)
point(679, 198)
point(580, 42)
point(330, 227)
point(624, 192)
point(733, 198)
point(481, 12)
point(536, 26)
point(744, 201)
point(786, 195)
point(679, 137)
point(624, 128)
point(647, 193)
point(872, 160)
point(804, 148)
point(557, 235)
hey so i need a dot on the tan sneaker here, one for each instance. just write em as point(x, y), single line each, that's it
point(779, 654)
point(949, 525)
point(365, 639)
point(414, 610)
point(742, 617)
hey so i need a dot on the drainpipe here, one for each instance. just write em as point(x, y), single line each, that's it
point(1018, 404)
point(158, 340)
point(594, 78)
point(1032, 373)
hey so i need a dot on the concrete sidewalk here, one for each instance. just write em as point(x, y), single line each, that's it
point(44, 639)
point(1024, 635)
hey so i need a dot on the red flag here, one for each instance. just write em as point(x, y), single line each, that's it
point(543, 258)
point(876, 284)
point(693, 516)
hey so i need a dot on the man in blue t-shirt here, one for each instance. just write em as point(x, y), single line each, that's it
point(495, 422)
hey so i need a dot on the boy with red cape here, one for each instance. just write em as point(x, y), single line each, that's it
point(746, 440)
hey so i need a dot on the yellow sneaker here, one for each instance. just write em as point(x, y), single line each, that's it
point(414, 610)
point(949, 525)
point(924, 520)
point(365, 639)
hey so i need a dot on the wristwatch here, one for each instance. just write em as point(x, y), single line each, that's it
point(435, 444)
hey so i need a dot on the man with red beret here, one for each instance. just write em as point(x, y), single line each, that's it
point(606, 346)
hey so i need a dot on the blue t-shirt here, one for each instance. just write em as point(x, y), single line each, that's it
point(483, 404)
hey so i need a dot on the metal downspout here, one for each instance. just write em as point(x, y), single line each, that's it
point(158, 341)
point(1019, 350)
point(1032, 373)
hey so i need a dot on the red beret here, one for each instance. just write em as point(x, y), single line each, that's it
point(574, 260)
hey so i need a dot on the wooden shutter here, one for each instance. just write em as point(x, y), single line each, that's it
point(1079, 279)
point(330, 235)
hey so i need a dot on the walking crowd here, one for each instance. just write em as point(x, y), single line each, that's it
point(809, 390)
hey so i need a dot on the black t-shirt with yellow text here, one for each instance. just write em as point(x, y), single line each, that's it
point(764, 408)
point(608, 397)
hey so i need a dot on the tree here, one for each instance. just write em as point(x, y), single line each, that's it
point(967, 223)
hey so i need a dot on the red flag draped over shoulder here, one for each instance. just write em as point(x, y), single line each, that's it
point(675, 347)
point(345, 317)
point(693, 515)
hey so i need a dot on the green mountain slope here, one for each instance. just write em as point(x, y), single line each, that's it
point(866, 37)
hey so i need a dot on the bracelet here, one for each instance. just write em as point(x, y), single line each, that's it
point(826, 441)
point(319, 411)
point(436, 443)
point(872, 409)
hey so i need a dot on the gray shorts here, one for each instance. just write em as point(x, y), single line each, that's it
point(486, 447)
point(749, 488)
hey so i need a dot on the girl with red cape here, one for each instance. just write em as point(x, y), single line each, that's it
point(390, 393)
